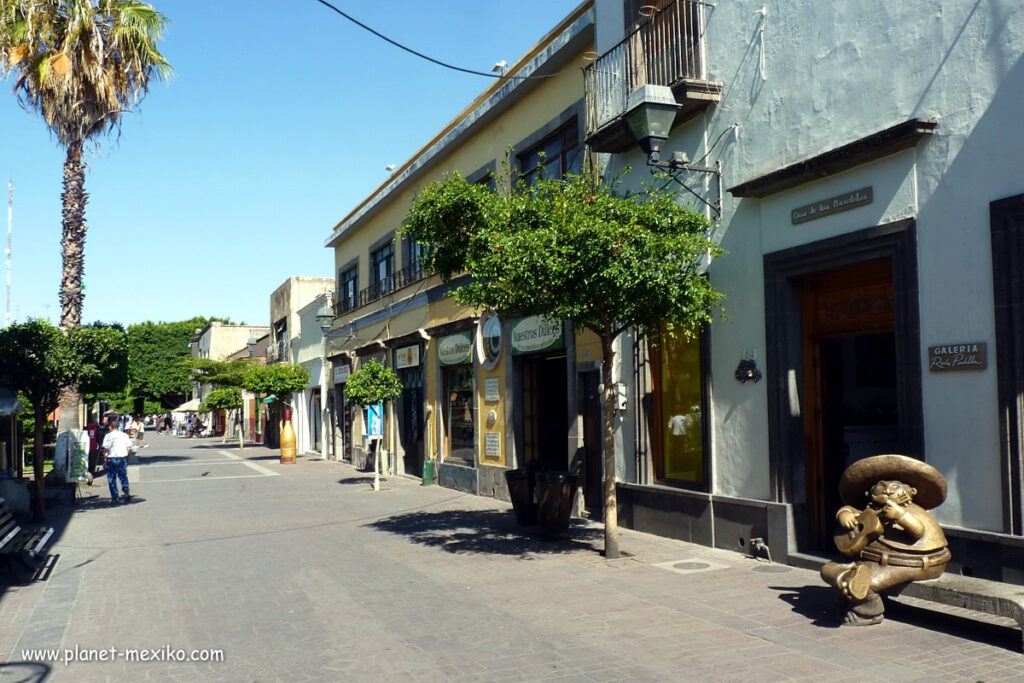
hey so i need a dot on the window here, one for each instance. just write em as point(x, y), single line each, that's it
point(415, 253)
point(679, 444)
point(459, 415)
point(348, 289)
point(382, 270)
point(558, 154)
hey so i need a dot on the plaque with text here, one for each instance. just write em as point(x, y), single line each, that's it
point(492, 389)
point(957, 357)
point(827, 207)
point(492, 446)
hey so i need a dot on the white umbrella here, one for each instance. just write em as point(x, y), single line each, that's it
point(191, 406)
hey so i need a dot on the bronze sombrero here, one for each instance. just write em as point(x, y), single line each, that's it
point(862, 475)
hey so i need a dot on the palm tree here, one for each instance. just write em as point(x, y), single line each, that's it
point(79, 64)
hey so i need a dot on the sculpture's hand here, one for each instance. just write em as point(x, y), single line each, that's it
point(847, 518)
point(892, 511)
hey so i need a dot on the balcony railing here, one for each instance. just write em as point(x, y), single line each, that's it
point(393, 282)
point(667, 49)
point(277, 352)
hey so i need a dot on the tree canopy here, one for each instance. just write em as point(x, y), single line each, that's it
point(372, 383)
point(572, 249)
point(280, 380)
point(39, 360)
point(158, 352)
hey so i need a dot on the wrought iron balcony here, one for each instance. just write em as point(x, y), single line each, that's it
point(380, 288)
point(667, 49)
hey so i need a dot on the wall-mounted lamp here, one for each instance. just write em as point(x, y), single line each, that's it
point(250, 345)
point(747, 370)
point(650, 112)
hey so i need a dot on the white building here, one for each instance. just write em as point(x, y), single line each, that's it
point(873, 217)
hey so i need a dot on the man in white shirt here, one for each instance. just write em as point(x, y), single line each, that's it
point(116, 447)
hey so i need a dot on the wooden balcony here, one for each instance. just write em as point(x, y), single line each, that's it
point(667, 49)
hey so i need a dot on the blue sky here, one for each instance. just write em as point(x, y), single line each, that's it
point(280, 117)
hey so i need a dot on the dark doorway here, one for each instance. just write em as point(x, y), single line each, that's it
point(850, 389)
point(545, 412)
point(410, 419)
point(593, 432)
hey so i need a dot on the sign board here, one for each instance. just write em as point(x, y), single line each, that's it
point(492, 389)
point(341, 372)
point(536, 333)
point(455, 349)
point(492, 445)
point(373, 421)
point(71, 455)
point(827, 207)
point(407, 356)
point(957, 357)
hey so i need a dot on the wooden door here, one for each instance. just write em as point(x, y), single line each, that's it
point(838, 307)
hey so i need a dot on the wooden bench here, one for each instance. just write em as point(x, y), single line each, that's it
point(15, 542)
point(979, 595)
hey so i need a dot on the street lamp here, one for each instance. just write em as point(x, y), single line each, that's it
point(250, 345)
point(325, 318)
point(650, 112)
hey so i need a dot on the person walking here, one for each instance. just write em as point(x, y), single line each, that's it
point(140, 434)
point(116, 447)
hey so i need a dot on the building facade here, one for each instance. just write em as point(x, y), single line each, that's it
point(294, 340)
point(861, 166)
point(481, 394)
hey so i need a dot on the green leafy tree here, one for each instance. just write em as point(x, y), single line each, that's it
point(279, 380)
point(371, 384)
point(575, 250)
point(157, 368)
point(39, 360)
point(79, 64)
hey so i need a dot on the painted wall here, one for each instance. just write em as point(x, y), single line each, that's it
point(806, 78)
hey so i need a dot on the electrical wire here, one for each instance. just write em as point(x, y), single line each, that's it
point(437, 61)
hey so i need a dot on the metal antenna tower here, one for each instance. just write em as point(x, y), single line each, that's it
point(7, 252)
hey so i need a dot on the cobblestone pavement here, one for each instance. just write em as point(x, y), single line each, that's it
point(301, 572)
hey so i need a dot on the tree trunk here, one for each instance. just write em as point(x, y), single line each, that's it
point(39, 507)
point(72, 243)
point(611, 504)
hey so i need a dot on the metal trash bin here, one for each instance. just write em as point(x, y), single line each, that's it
point(520, 490)
point(555, 494)
point(428, 472)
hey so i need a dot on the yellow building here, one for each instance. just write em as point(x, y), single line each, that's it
point(482, 394)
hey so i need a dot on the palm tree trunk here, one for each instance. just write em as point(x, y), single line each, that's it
point(72, 243)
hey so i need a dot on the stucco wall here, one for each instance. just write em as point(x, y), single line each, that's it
point(833, 73)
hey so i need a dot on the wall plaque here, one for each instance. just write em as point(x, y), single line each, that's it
point(492, 446)
point(491, 389)
point(956, 357)
point(827, 207)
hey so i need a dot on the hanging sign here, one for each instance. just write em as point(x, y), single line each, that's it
point(827, 207)
point(407, 356)
point(373, 421)
point(536, 333)
point(456, 349)
point(957, 357)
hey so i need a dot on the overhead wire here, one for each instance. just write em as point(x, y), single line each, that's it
point(446, 65)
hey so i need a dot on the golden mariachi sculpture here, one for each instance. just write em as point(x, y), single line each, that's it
point(891, 535)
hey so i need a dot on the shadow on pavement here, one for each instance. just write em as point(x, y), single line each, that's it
point(820, 604)
point(29, 672)
point(155, 459)
point(492, 532)
point(364, 481)
point(824, 606)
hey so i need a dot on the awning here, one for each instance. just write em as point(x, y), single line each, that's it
point(270, 399)
point(191, 406)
